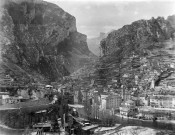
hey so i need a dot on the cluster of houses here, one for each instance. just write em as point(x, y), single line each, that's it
point(12, 94)
point(147, 106)
point(108, 102)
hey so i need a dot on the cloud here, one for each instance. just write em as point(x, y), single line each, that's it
point(2, 3)
point(88, 7)
point(95, 16)
point(136, 12)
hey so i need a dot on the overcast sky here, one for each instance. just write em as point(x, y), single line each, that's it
point(95, 16)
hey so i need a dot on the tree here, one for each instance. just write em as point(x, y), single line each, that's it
point(80, 97)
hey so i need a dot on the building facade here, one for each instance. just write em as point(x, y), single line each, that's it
point(162, 101)
point(103, 102)
point(3, 97)
point(128, 108)
point(113, 102)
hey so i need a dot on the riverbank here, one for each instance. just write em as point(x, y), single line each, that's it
point(103, 130)
point(5, 130)
point(9, 128)
point(158, 124)
point(120, 129)
point(139, 130)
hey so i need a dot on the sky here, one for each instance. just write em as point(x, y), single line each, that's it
point(95, 16)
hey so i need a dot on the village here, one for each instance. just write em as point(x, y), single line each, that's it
point(88, 108)
point(87, 68)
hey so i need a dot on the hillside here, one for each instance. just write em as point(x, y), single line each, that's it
point(139, 53)
point(39, 42)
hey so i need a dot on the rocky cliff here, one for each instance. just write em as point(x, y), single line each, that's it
point(139, 52)
point(39, 42)
point(138, 35)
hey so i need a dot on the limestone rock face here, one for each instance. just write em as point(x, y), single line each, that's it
point(136, 35)
point(140, 53)
point(39, 41)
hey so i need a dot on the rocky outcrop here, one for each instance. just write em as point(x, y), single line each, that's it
point(136, 35)
point(137, 52)
point(40, 42)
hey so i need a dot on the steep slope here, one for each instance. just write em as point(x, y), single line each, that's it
point(138, 35)
point(39, 42)
point(138, 53)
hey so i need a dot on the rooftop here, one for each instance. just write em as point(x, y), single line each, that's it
point(123, 108)
point(129, 101)
point(90, 127)
point(4, 93)
point(165, 109)
point(146, 109)
point(75, 105)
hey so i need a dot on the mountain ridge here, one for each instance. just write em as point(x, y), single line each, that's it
point(136, 50)
point(38, 40)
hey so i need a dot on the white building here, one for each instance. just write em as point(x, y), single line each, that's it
point(76, 97)
point(144, 100)
point(128, 108)
point(3, 97)
point(103, 102)
point(113, 102)
point(173, 102)
point(162, 101)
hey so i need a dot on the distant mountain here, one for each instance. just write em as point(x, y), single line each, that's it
point(171, 19)
point(94, 43)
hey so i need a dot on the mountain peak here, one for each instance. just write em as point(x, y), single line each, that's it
point(138, 32)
